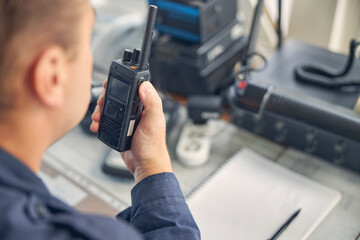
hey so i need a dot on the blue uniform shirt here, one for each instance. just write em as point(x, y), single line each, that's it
point(29, 211)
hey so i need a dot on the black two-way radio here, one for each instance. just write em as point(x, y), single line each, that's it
point(122, 107)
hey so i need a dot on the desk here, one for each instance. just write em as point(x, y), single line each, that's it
point(75, 161)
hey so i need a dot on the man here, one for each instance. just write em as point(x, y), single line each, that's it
point(45, 75)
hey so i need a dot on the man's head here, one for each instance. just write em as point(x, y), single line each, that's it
point(45, 58)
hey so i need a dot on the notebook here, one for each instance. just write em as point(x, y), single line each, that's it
point(250, 197)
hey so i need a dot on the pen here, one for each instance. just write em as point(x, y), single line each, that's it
point(285, 225)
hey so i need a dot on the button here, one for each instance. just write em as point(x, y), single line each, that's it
point(134, 107)
point(141, 80)
point(111, 112)
point(127, 55)
point(120, 116)
point(135, 56)
point(242, 84)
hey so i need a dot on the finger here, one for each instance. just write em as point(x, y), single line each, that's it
point(97, 114)
point(100, 101)
point(151, 101)
point(94, 127)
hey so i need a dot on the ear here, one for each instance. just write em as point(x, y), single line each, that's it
point(50, 71)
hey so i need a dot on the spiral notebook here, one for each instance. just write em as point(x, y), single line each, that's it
point(250, 197)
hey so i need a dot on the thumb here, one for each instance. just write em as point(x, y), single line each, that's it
point(151, 101)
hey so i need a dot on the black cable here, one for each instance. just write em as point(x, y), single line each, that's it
point(255, 25)
point(249, 49)
point(244, 70)
point(325, 76)
point(265, 62)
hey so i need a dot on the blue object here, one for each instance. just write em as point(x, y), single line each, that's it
point(184, 21)
point(176, 8)
point(29, 211)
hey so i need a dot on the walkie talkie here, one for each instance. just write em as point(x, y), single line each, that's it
point(122, 107)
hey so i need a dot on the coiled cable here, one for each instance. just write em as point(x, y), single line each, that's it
point(326, 77)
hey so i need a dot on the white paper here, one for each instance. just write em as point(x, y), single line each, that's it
point(250, 197)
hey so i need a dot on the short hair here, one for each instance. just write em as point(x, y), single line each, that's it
point(27, 27)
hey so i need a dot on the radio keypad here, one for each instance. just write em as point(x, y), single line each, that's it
point(114, 110)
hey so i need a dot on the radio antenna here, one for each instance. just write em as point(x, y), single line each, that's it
point(146, 44)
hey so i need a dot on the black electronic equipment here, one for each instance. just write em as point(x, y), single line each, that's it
point(203, 108)
point(113, 163)
point(194, 20)
point(122, 107)
point(317, 120)
point(189, 69)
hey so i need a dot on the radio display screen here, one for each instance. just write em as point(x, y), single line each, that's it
point(118, 89)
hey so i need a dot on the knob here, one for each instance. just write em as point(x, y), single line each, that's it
point(135, 57)
point(127, 55)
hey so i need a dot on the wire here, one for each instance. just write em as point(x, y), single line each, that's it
point(244, 70)
point(265, 62)
point(325, 76)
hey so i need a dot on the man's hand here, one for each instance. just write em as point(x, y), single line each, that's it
point(148, 154)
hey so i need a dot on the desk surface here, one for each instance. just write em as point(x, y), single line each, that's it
point(75, 160)
point(72, 170)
